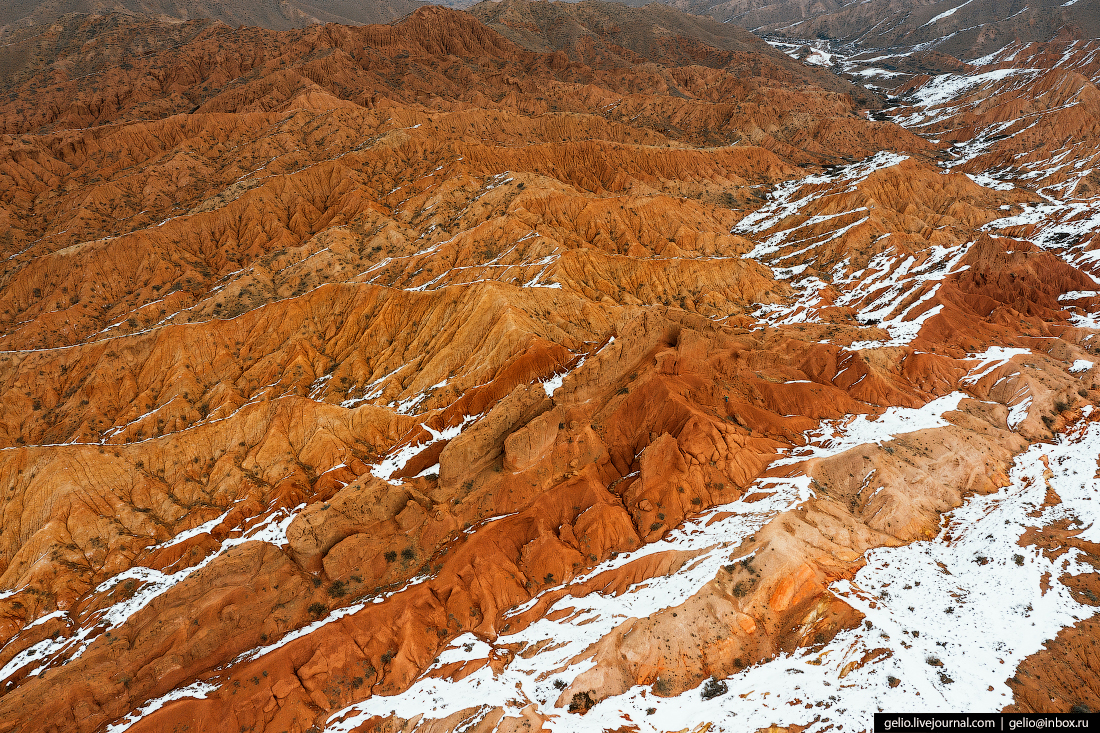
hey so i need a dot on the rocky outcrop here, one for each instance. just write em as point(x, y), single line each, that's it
point(402, 378)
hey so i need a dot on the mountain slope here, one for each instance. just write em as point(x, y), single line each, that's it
point(967, 30)
point(402, 378)
point(609, 35)
point(275, 14)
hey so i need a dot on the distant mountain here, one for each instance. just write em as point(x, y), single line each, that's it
point(962, 28)
point(611, 28)
point(609, 34)
point(274, 14)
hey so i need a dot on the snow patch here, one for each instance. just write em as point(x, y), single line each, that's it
point(197, 690)
point(564, 644)
point(947, 13)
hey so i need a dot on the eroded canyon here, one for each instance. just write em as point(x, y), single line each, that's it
point(405, 378)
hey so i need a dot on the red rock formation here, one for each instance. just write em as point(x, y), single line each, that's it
point(329, 353)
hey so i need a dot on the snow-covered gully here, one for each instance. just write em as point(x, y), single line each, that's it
point(562, 643)
point(947, 620)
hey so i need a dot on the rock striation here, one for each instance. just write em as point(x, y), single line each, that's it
point(430, 377)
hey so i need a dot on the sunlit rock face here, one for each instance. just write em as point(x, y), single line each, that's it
point(409, 378)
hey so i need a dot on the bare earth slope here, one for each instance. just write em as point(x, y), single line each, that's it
point(405, 378)
point(608, 34)
point(278, 15)
point(964, 29)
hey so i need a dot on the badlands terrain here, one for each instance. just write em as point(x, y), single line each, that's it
point(543, 367)
point(275, 14)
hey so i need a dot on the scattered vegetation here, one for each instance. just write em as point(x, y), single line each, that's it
point(581, 703)
point(713, 688)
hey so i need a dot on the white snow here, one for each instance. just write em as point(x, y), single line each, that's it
point(409, 405)
point(836, 436)
point(927, 601)
point(391, 464)
point(939, 90)
point(203, 528)
point(585, 619)
point(989, 360)
point(1019, 412)
point(554, 383)
point(989, 182)
point(947, 13)
point(197, 690)
point(149, 584)
point(877, 292)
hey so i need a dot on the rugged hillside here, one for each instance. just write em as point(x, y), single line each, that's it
point(962, 28)
point(623, 33)
point(613, 35)
point(275, 14)
point(405, 378)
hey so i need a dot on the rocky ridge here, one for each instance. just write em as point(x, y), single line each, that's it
point(404, 378)
point(608, 34)
point(966, 30)
point(282, 15)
